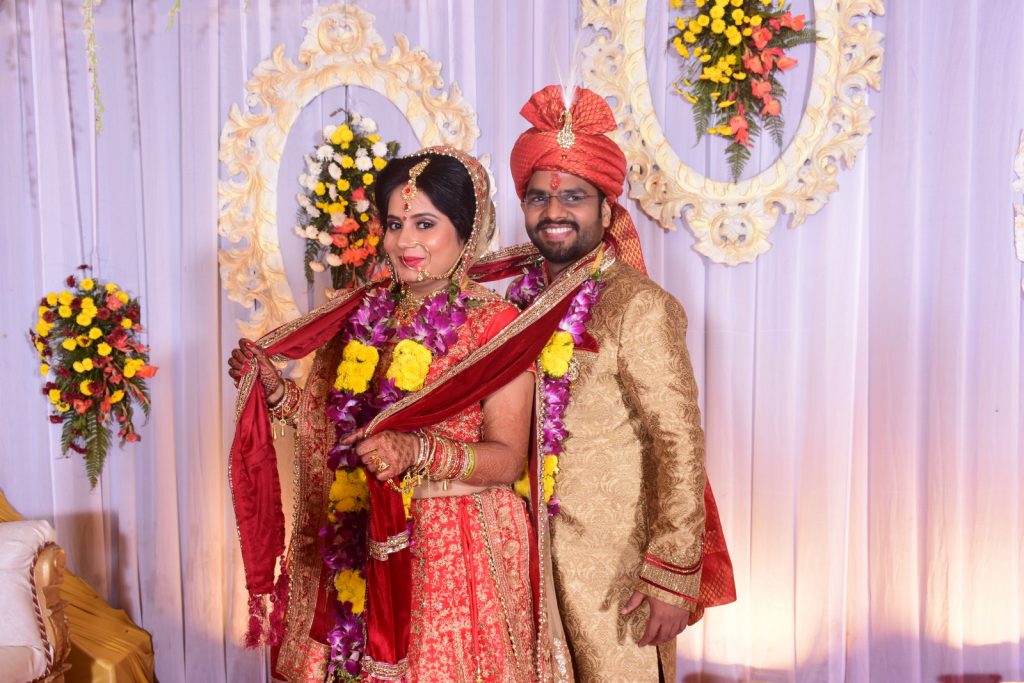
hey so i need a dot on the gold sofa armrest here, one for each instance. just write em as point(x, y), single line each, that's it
point(48, 575)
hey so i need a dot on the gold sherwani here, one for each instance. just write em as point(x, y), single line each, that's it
point(630, 483)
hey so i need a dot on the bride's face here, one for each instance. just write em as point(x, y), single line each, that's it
point(420, 239)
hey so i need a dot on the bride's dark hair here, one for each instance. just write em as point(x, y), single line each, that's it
point(445, 181)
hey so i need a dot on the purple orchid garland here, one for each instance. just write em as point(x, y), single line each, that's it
point(555, 390)
point(436, 326)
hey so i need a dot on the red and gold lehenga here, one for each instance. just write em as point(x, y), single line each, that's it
point(471, 605)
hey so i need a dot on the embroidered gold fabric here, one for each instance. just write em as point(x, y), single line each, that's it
point(631, 480)
point(380, 551)
point(384, 671)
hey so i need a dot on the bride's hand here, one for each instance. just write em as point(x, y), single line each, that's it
point(388, 454)
point(270, 377)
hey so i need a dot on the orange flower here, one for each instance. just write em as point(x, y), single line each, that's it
point(740, 127)
point(752, 64)
point(146, 371)
point(340, 241)
point(789, 21)
point(350, 225)
point(761, 89)
point(761, 36)
point(771, 107)
point(768, 57)
point(785, 63)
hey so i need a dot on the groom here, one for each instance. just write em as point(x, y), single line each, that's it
point(629, 539)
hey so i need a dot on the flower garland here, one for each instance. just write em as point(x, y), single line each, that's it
point(429, 335)
point(334, 215)
point(733, 51)
point(555, 361)
point(87, 338)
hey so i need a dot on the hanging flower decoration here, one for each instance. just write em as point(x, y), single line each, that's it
point(94, 365)
point(733, 51)
point(334, 216)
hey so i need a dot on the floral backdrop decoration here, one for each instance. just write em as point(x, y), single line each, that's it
point(93, 364)
point(733, 52)
point(335, 216)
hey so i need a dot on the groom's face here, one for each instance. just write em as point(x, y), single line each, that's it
point(565, 215)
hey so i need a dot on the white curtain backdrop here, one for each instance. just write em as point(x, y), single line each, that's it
point(861, 382)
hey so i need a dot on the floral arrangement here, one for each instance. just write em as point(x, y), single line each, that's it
point(352, 404)
point(733, 51)
point(334, 215)
point(87, 338)
point(555, 361)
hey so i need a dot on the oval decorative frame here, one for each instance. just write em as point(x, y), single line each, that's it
point(340, 48)
point(732, 221)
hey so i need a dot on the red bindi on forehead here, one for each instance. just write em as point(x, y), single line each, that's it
point(555, 182)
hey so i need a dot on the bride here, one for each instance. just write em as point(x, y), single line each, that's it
point(437, 578)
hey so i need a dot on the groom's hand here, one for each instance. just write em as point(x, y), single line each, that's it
point(666, 621)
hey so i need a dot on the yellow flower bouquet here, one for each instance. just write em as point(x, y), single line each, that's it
point(94, 366)
point(733, 51)
point(334, 216)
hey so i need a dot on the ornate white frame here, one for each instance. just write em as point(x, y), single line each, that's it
point(732, 221)
point(340, 48)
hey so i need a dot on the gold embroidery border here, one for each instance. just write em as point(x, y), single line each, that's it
point(380, 550)
point(383, 670)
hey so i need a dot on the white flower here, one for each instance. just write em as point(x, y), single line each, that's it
point(302, 199)
point(312, 166)
point(325, 239)
point(364, 163)
point(333, 260)
point(379, 149)
point(312, 211)
point(313, 182)
point(329, 131)
point(338, 218)
point(303, 180)
point(316, 266)
point(362, 205)
point(311, 232)
point(334, 170)
point(332, 192)
point(361, 152)
point(356, 117)
point(368, 125)
point(337, 158)
point(324, 152)
point(300, 231)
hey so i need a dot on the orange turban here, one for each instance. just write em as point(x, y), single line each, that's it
point(575, 142)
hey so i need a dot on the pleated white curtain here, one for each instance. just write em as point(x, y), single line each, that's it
point(861, 382)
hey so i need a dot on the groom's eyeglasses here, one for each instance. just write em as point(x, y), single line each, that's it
point(568, 200)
